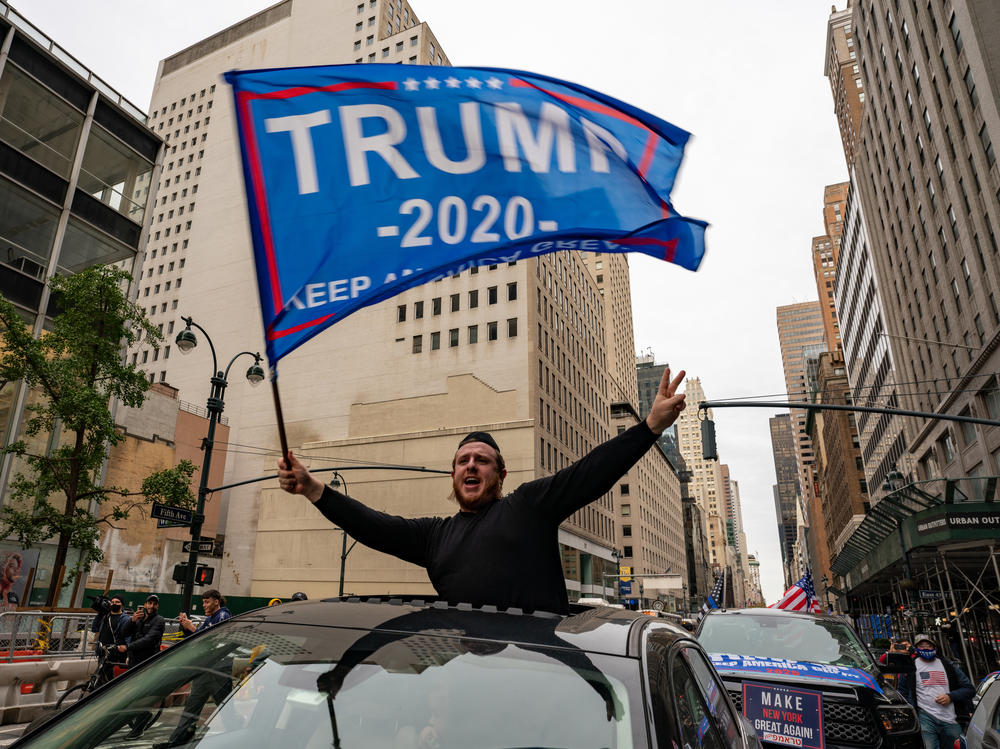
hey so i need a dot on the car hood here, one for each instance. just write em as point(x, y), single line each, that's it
point(778, 668)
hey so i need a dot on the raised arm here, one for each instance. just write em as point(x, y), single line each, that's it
point(405, 538)
point(560, 495)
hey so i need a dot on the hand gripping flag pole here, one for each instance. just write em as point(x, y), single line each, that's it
point(363, 181)
point(277, 412)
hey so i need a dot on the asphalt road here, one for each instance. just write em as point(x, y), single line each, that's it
point(8, 734)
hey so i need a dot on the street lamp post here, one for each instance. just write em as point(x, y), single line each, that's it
point(826, 588)
point(185, 341)
point(344, 550)
point(617, 556)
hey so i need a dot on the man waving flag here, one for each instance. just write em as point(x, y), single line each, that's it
point(800, 597)
point(366, 180)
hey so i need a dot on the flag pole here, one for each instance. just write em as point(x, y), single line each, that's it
point(277, 410)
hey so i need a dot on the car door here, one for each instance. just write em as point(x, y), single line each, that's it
point(984, 730)
point(704, 713)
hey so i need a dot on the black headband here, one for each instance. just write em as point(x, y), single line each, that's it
point(483, 437)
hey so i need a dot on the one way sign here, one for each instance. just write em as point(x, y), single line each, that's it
point(204, 547)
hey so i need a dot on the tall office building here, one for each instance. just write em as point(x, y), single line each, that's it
point(801, 336)
point(786, 490)
point(929, 184)
point(706, 475)
point(825, 257)
point(844, 72)
point(76, 164)
point(520, 349)
point(867, 355)
point(648, 374)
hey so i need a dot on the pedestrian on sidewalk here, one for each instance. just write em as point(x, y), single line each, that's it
point(940, 692)
point(145, 628)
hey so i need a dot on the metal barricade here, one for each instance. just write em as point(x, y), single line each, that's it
point(24, 635)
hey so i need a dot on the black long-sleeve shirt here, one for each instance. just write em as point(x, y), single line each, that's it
point(507, 553)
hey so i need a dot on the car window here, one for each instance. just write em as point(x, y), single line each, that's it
point(987, 713)
point(260, 684)
point(795, 638)
point(712, 691)
point(697, 727)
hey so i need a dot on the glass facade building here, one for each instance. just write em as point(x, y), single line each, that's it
point(76, 165)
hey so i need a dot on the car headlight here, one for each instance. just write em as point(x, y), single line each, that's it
point(901, 719)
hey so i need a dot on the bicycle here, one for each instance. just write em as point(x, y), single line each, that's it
point(97, 679)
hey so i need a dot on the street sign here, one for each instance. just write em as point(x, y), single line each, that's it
point(624, 588)
point(177, 515)
point(934, 595)
point(204, 547)
point(160, 523)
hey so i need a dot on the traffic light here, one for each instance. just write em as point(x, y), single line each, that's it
point(180, 572)
point(204, 575)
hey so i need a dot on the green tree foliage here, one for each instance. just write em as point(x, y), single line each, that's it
point(75, 370)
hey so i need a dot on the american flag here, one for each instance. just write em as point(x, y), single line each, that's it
point(800, 597)
point(934, 678)
point(714, 597)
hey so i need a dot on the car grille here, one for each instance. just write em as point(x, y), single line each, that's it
point(843, 722)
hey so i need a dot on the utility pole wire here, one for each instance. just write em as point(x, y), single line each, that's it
point(705, 405)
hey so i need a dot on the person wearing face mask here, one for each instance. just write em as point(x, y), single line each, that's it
point(940, 692)
point(109, 624)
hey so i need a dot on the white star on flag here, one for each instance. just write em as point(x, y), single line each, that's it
point(432, 82)
point(494, 82)
point(453, 82)
point(473, 82)
point(411, 85)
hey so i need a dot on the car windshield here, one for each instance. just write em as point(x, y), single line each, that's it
point(307, 686)
point(790, 637)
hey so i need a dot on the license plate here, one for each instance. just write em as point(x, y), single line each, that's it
point(784, 715)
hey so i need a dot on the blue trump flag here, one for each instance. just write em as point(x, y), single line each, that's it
point(365, 180)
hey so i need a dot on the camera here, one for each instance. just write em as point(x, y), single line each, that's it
point(101, 604)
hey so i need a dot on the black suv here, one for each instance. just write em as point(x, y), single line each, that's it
point(806, 680)
point(411, 674)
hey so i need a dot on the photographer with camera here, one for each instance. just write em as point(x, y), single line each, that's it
point(109, 624)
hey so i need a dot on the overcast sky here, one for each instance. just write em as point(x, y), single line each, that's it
point(746, 78)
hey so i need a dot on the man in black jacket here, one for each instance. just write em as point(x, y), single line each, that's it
point(500, 550)
point(146, 630)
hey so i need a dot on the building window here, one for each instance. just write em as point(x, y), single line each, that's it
point(626, 510)
point(947, 445)
point(401, 313)
point(512, 291)
point(627, 551)
point(453, 337)
point(491, 295)
point(512, 327)
point(418, 344)
point(473, 334)
point(624, 489)
point(473, 298)
point(436, 305)
point(491, 331)
point(455, 301)
point(418, 310)
point(435, 341)
point(627, 531)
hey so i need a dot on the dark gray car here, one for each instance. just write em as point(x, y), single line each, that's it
point(414, 675)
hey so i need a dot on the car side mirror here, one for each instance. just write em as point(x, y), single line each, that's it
point(897, 663)
point(689, 624)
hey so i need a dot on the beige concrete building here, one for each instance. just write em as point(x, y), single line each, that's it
point(844, 73)
point(518, 348)
point(159, 435)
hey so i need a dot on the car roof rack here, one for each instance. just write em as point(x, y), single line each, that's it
point(439, 603)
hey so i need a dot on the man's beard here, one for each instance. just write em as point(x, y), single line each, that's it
point(491, 493)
